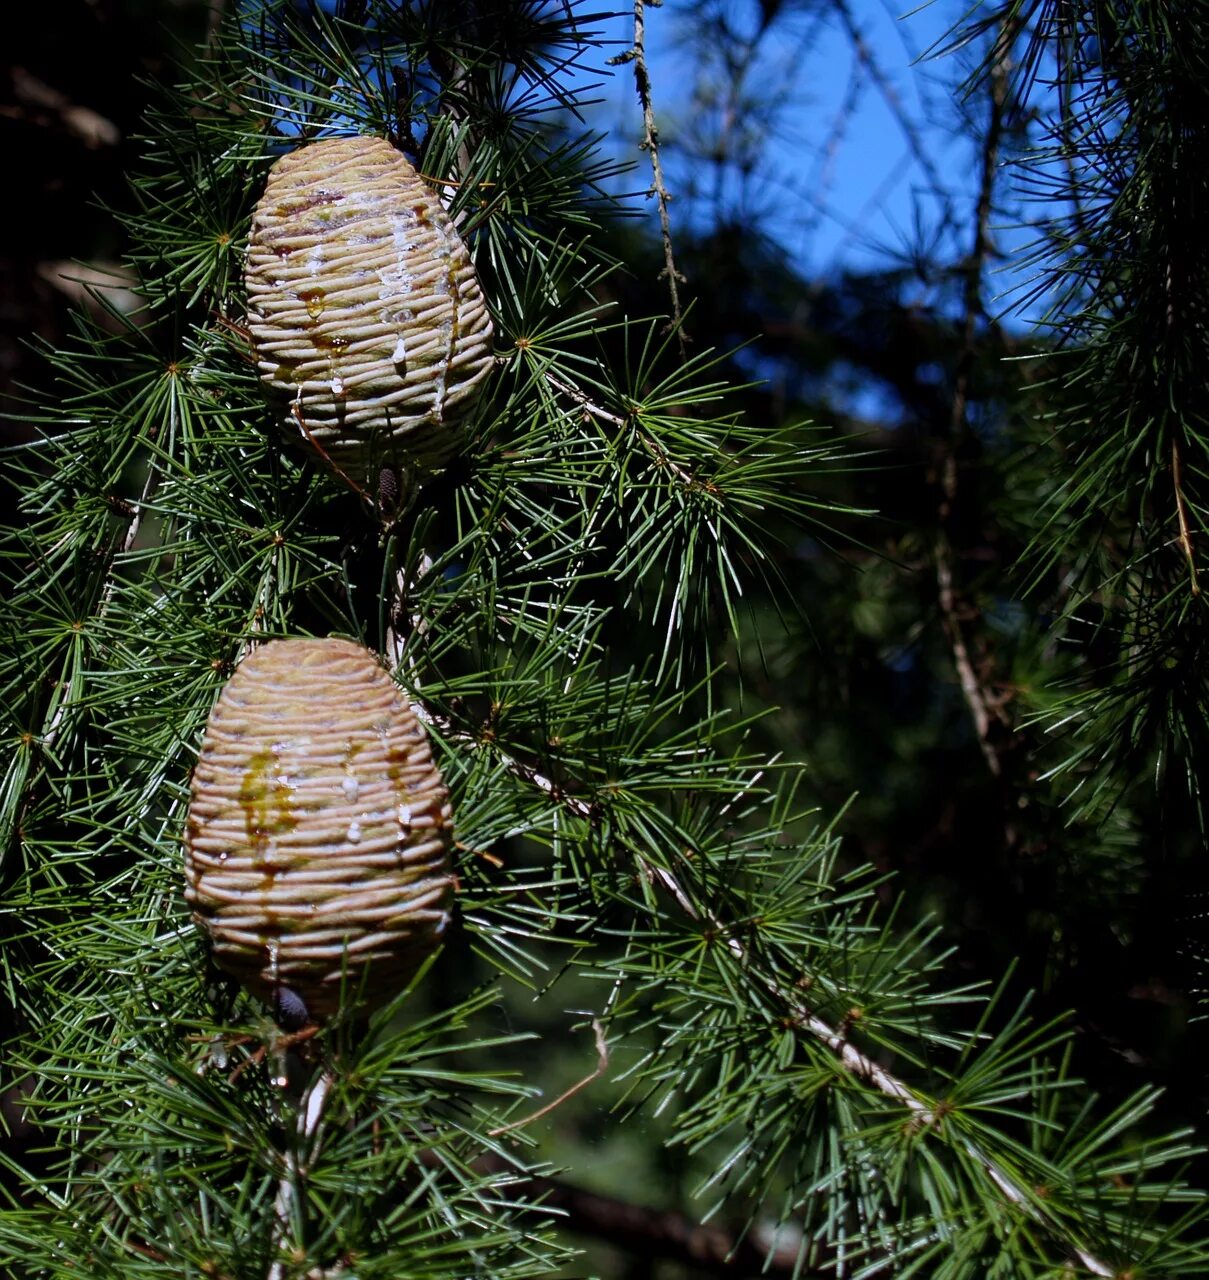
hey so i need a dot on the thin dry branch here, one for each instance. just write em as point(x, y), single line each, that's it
point(982, 709)
point(971, 687)
point(644, 1231)
point(650, 144)
point(1177, 461)
point(1181, 511)
point(885, 86)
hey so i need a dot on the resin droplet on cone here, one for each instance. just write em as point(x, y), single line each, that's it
point(368, 322)
point(317, 846)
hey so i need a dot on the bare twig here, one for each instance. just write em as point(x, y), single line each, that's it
point(337, 470)
point(971, 688)
point(864, 55)
point(1177, 462)
point(587, 405)
point(602, 1064)
point(650, 144)
point(853, 1060)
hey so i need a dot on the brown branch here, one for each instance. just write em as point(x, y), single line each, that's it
point(518, 768)
point(666, 1233)
point(981, 707)
point(333, 465)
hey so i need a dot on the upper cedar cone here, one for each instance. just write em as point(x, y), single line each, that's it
point(366, 315)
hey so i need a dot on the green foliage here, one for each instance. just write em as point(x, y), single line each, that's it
point(553, 605)
point(1121, 267)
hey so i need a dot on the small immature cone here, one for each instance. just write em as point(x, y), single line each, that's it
point(368, 322)
point(317, 845)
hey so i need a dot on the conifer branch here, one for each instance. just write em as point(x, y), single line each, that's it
point(657, 455)
point(813, 1060)
point(132, 513)
point(925, 1112)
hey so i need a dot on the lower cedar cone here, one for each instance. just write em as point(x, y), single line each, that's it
point(317, 845)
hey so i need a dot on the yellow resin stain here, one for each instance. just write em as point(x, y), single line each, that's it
point(267, 800)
